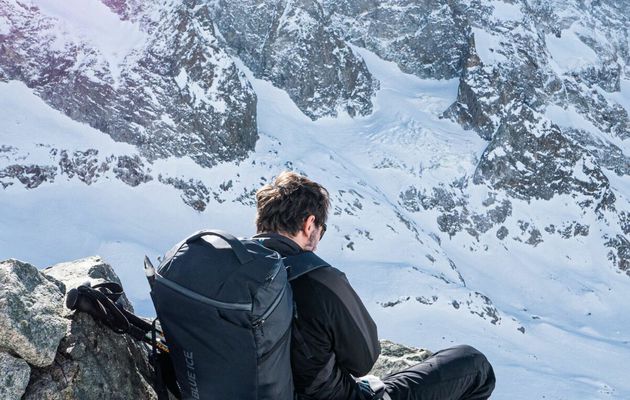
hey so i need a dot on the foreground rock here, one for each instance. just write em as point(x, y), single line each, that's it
point(90, 269)
point(61, 354)
point(31, 325)
point(14, 376)
point(93, 363)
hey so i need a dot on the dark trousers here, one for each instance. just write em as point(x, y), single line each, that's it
point(456, 373)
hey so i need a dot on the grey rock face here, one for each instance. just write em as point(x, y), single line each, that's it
point(291, 43)
point(607, 154)
point(194, 193)
point(131, 171)
point(608, 117)
point(93, 363)
point(493, 93)
point(91, 269)
point(619, 253)
point(176, 94)
point(31, 175)
point(455, 213)
point(14, 376)
point(71, 356)
point(126, 9)
point(548, 165)
point(85, 165)
point(395, 357)
point(31, 325)
point(472, 109)
point(430, 39)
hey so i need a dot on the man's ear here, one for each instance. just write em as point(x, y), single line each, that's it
point(309, 225)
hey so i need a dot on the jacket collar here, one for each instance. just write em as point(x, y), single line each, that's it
point(279, 243)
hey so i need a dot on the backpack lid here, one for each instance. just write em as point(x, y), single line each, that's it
point(217, 265)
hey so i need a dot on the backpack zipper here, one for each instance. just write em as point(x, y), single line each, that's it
point(275, 346)
point(196, 296)
point(258, 322)
point(274, 273)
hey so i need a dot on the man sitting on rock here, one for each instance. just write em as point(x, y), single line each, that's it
point(335, 339)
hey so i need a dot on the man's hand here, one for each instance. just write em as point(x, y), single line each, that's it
point(371, 387)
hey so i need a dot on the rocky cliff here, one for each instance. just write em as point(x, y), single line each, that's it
point(161, 81)
point(292, 44)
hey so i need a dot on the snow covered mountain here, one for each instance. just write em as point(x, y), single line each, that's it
point(477, 154)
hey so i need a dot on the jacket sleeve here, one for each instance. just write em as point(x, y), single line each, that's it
point(352, 330)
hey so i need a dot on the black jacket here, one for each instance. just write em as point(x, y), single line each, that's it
point(335, 337)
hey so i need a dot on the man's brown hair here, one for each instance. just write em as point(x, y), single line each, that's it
point(284, 205)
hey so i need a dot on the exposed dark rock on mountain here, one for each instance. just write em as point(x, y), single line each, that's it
point(86, 166)
point(619, 253)
point(291, 44)
point(194, 193)
point(430, 39)
point(551, 165)
point(174, 93)
point(31, 175)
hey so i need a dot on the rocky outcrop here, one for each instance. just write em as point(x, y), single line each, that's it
point(430, 39)
point(87, 166)
point(551, 164)
point(14, 373)
point(49, 352)
point(29, 175)
point(93, 363)
point(291, 44)
point(31, 309)
point(172, 92)
point(91, 269)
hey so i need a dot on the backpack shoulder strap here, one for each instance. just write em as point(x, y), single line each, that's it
point(303, 263)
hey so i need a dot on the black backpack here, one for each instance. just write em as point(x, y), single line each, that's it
point(226, 309)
